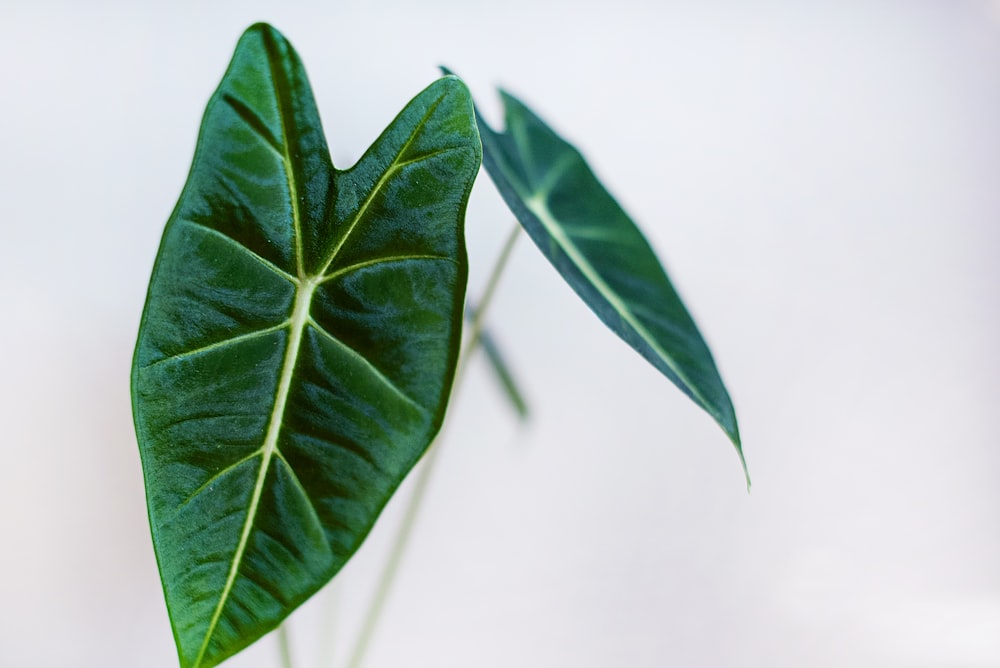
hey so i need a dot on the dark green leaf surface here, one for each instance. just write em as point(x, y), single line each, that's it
point(601, 253)
point(298, 344)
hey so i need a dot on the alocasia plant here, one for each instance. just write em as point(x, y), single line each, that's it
point(302, 329)
point(601, 253)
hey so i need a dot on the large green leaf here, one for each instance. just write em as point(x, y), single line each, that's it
point(298, 343)
point(601, 253)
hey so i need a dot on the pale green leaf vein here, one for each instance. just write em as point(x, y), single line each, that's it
point(389, 172)
point(297, 323)
point(375, 371)
point(537, 205)
point(384, 260)
point(554, 173)
point(313, 511)
point(211, 481)
point(280, 89)
point(423, 157)
point(256, 123)
point(236, 244)
point(300, 313)
point(516, 129)
point(218, 345)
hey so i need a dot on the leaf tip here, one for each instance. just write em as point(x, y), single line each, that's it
point(261, 28)
point(743, 463)
point(733, 432)
point(725, 416)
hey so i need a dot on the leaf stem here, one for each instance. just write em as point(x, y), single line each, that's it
point(328, 639)
point(284, 646)
point(427, 468)
point(484, 303)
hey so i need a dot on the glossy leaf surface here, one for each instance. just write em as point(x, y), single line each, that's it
point(601, 253)
point(298, 343)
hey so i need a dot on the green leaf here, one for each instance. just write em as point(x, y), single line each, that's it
point(298, 344)
point(601, 253)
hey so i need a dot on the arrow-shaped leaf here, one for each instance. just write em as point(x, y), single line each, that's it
point(601, 253)
point(298, 343)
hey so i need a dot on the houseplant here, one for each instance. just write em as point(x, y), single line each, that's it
point(303, 327)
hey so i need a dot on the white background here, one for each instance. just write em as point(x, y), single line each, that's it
point(822, 181)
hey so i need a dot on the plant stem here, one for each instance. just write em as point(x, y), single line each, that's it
point(427, 466)
point(284, 646)
point(328, 638)
point(484, 303)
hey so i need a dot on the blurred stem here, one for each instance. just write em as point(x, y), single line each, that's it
point(427, 468)
point(327, 638)
point(284, 646)
point(484, 303)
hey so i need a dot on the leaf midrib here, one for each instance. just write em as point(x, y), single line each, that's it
point(305, 288)
point(300, 316)
point(538, 206)
point(535, 199)
point(297, 323)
